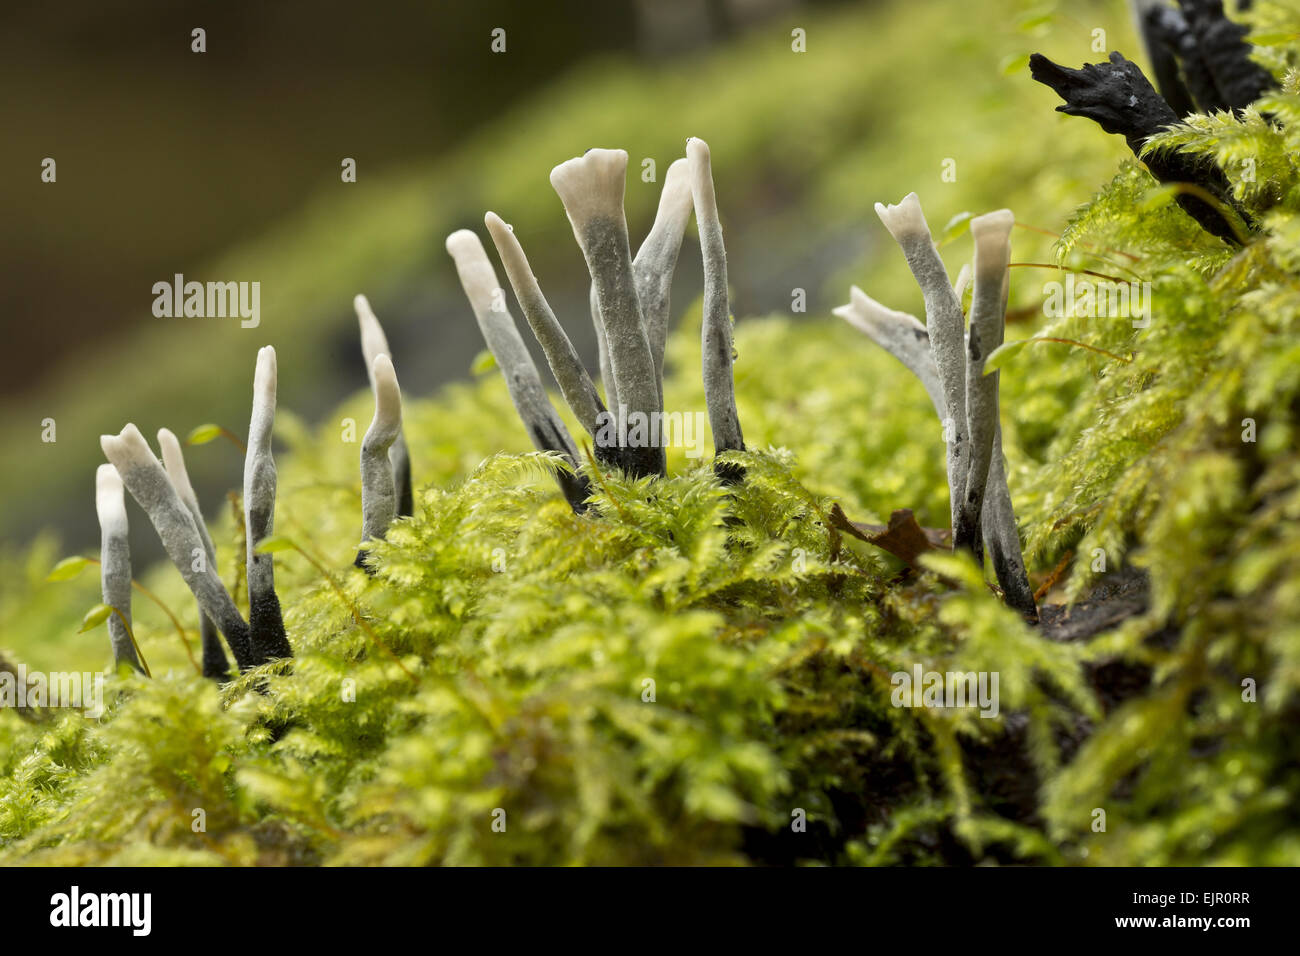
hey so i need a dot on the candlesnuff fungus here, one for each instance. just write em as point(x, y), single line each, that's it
point(904, 337)
point(1121, 100)
point(378, 486)
point(115, 563)
point(575, 384)
point(630, 306)
point(591, 189)
point(373, 342)
point(656, 260)
point(606, 369)
point(487, 298)
point(265, 623)
point(944, 325)
point(215, 663)
point(719, 385)
point(148, 484)
point(992, 235)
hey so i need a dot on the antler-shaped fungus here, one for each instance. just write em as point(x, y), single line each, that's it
point(487, 298)
point(215, 663)
point(978, 492)
point(373, 343)
point(265, 622)
point(149, 485)
point(378, 484)
point(115, 563)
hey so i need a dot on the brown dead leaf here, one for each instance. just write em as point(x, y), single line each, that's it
point(902, 537)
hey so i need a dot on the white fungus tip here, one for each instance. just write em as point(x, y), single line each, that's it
point(373, 340)
point(997, 223)
point(264, 379)
point(477, 276)
point(869, 315)
point(904, 219)
point(388, 397)
point(499, 230)
point(591, 185)
point(963, 280)
point(676, 203)
point(463, 242)
point(992, 235)
point(701, 174)
point(174, 463)
point(127, 449)
point(508, 247)
point(110, 501)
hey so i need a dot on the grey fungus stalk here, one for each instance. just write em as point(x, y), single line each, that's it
point(265, 621)
point(944, 323)
point(378, 486)
point(487, 299)
point(1002, 538)
point(575, 384)
point(148, 484)
point(215, 663)
point(606, 368)
point(719, 384)
point(656, 260)
point(591, 188)
point(115, 563)
point(904, 337)
point(992, 235)
point(374, 342)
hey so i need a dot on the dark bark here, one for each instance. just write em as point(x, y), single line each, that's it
point(1120, 99)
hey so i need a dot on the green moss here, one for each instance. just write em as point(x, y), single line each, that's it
point(505, 646)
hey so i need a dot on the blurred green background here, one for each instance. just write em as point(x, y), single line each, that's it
point(226, 166)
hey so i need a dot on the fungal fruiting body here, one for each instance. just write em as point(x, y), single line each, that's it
point(902, 336)
point(979, 497)
point(115, 564)
point(378, 486)
point(630, 301)
point(656, 260)
point(149, 485)
point(945, 324)
point(374, 342)
point(487, 299)
point(992, 235)
point(719, 383)
point(266, 625)
point(591, 189)
point(575, 384)
point(215, 663)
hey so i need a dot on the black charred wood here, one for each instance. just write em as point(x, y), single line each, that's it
point(1119, 98)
